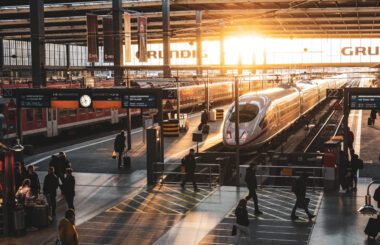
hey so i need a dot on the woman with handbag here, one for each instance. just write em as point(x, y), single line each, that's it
point(68, 234)
point(242, 221)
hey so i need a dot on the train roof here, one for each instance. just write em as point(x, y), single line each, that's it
point(268, 95)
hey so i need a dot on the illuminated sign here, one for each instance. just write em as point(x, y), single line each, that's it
point(364, 102)
point(140, 101)
point(334, 93)
point(350, 51)
point(106, 100)
point(35, 101)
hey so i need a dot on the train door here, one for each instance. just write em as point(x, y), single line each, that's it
point(114, 116)
point(52, 122)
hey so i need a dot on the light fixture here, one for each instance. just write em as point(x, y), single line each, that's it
point(18, 147)
point(367, 208)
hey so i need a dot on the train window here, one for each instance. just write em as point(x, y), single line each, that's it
point(263, 124)
point(62, 112)
point(247, 113)
point(39, 114)
point(72, 112)
point(29, 115)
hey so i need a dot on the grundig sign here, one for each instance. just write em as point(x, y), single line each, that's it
point(178, 54)
point(351, 51)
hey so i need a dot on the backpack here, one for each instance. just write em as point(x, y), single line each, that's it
point(376, 195)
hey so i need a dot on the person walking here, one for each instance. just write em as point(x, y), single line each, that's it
point(50, 186)
point(242, 221)
point(18, 176)
point(250, 179)
point(68, 188)
point(189, 164)
point(34, 181)
point(356, 164)
point(68, 233)
point(373, 116)
point(299, 189)
point(350, 139)
point(204, 119)
point(119, 147)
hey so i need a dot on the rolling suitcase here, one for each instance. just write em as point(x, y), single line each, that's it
point(205, 129)
point(40, 215)
point(372, 228)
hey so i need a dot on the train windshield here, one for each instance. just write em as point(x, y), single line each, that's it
point(247, 113)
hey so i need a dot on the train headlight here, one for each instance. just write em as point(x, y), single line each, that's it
point(244, 136)
point(229, 135)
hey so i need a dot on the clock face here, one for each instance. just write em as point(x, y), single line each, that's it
point(85, 100)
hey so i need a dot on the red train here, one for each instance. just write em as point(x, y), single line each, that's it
point(50, 122)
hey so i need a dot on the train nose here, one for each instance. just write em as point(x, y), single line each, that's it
point(245, 134)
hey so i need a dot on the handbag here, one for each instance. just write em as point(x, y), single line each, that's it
point(114, 155)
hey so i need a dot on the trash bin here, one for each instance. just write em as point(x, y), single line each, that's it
point(19, 220)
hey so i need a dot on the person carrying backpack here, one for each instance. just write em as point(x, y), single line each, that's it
point(299, 189)
point(250, 179)
point(189, 163)
point(242, 221)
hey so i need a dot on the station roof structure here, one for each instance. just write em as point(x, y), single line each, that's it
point(65, 20)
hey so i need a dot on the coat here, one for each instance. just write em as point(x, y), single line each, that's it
point(189, 162)
point(250, 178)
point(50, 184)
point(68, 233)
point(241, 216)
point(299, 188)
point(34, 182)
point(119, 144)
point(68, 186)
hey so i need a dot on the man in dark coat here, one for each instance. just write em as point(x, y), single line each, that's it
point(250, 179)
point(35, 186)
point(356, 164)
point(68, 188)
point(204, 119)
point(299, 189)
point(119, 147)
point(18, 176)
point(373, 116)
point(189, 163)
point(63, 164)
point(51, 184)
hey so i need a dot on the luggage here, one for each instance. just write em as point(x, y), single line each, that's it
point(127, 161)
point(200, 127)
point(40, 215)
point(205, 129)
point(372, 228)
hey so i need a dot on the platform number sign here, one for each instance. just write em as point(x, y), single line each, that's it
point(334, 93)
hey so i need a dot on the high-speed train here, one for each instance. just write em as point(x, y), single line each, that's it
point(265, 114)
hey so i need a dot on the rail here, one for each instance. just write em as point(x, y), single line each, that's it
point(202, 169)
point(262, 173)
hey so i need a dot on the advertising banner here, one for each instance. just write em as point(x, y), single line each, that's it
point(92, 38)
point(108, 39)
point(142, 42)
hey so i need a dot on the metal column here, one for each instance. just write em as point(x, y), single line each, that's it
point(117, 24)
point(67, 61)
point(178, 98)
point(129, 118)
point(237, 134)
point(166, 36)
point(198, 18)
point(222, 70)
point(346, 113)
point(18, 121)
point(1, 52)
point(37, 43)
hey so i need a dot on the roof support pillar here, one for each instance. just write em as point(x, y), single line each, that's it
point(37, 43)
point(117, 14)
point(221, 39)
point(198, 19)
point(1, 53)
point(166, 36)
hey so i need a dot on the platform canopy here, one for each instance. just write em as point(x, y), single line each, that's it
point(65, 20)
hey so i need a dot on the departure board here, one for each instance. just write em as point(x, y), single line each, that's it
point(140, 101)
point(106, 100)
point(365, 101)
point(34, 101)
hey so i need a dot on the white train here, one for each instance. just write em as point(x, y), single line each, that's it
point(265, 114)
